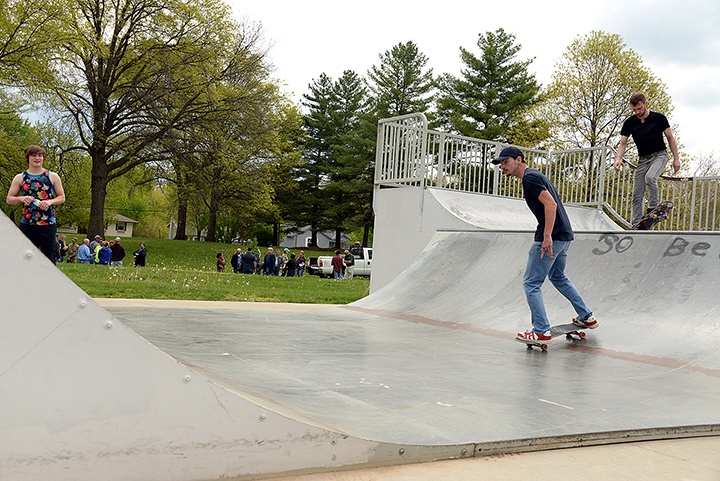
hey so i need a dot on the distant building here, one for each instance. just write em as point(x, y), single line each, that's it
point(121, 227)
point(325, 239)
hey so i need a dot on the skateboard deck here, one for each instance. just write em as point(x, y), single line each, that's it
point(656, 215)
point(570, 331)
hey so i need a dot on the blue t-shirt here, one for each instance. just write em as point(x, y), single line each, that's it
point(534, 182)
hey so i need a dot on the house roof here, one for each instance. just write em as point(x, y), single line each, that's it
point(122, 218)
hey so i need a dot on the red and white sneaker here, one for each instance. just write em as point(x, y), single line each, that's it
point(590, 322)
point(533, 336)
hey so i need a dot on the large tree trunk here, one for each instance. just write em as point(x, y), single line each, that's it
point(180, 232)
point(182, 195)
point(276, 233)
point(313, 235)
point(212, 215)
point(98, 188)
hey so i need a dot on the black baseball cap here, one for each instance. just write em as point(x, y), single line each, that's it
point(508, 152)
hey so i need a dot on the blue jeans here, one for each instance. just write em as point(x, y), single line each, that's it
point(537, 271)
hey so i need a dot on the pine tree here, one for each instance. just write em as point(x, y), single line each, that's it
point(493, 91)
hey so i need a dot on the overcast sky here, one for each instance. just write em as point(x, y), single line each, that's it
point(679, 41)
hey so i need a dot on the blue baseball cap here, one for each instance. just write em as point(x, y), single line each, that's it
point(506, 153)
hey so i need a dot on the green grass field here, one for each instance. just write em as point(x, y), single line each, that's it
point(186, 270)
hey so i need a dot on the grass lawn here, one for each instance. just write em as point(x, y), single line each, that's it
point(186, 270)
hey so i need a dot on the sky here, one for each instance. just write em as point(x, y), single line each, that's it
point(679, 41)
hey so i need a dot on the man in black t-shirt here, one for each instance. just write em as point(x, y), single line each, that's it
point(647, 129)
point(548, 254)
point(248, 262)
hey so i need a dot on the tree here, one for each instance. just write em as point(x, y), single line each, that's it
point(588, 98)
point(320, 128)
point(22, 29)
point(344, 176)
point(400, 84)
point(128, 72)
point(493, 91)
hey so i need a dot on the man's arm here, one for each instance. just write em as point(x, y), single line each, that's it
point(620, 151)
point(13, 197)
point(550, 212)
point(673, 148)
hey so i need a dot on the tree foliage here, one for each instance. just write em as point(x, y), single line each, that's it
point(401, 84)
point(588, 98)
point(493, 91)
point(127, 72)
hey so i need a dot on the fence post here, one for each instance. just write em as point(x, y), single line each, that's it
point(379, 149)
point(601, 178)
point(693, 197)
point(441, 158)
point(497, 172)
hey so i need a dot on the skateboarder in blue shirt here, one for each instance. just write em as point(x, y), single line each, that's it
point(548, 253)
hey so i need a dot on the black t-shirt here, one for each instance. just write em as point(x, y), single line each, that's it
point(534, 183)
point(648, 135)
point(248, 259)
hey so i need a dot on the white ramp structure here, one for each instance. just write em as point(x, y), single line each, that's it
point(407, 217)
point(85, 398)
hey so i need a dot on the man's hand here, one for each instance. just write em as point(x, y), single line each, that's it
point(546, 248)
point(676, 165)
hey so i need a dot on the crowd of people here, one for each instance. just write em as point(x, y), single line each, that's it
point(97, 251)
point(285, 264)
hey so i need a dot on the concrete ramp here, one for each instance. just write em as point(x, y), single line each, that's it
point(489, 212)
point(83, 397)
point(424, 369)
point(430, 360)
point(406, 218)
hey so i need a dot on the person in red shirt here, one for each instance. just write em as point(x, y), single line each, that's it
point(338, 262)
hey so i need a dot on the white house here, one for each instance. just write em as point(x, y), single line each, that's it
point(122, 227)
point(325, 239)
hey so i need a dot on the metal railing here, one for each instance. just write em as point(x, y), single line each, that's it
point(410, 154)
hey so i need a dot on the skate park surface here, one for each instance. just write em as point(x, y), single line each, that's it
point(425, 369)
point(430, 360)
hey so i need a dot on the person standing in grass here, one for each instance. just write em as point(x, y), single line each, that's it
point(269, 262)
point(301, 264)
point(248, 262)
point(139, 255)
point(220, 262)
point(338, 264)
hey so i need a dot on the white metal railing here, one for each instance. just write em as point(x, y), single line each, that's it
point(409, 153)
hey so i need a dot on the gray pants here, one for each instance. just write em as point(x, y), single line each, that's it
point(646, 176)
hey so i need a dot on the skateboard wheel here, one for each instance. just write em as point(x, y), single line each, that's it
point(544, 347)
point(582, 335)
point(568, 336)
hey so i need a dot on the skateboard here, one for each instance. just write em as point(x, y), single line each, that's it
point(659, 213)
point(570, 331)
